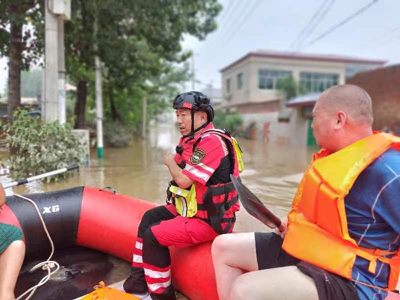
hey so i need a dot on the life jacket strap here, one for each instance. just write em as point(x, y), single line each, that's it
point(372, 255)
point(217, 211)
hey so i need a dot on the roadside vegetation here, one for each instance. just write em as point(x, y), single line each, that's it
point(139, 45)
point(230, 121)
point(38, 147)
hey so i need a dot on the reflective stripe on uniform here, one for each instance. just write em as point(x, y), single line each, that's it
point(137, 258)
point(157, 274)
point(139, 245)
point(155, 286)
point(207, 168)
point(197, 173)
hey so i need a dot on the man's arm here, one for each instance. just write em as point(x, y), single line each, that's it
point(2, 196)
point(181, 179)
point(281, 230)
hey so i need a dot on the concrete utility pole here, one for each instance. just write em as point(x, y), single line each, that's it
point(144, 115)
point(99, 97)
point(99, 108)
point(51, 66)
point(62, 110)
point(53, 107)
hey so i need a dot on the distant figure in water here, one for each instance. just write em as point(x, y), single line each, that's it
point(341, 239)
point(12, 252)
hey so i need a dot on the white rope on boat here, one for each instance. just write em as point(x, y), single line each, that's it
point(45, 265)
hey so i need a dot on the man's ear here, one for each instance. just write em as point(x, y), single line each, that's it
point(204, 116)
point(341, 119)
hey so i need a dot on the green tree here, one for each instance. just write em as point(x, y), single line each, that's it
point(20, 43)
point(135, 41)
point(291, 87)
point(229, 121)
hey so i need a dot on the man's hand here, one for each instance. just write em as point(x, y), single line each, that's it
point(281, 230)
point(168, 159)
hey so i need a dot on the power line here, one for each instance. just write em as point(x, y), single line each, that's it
point(319, 19)
point(313, 18)
point(235, 15)
point(234, 10)
point(243, 20)
point(382, 37)
point(226, 12)
point(340, 24)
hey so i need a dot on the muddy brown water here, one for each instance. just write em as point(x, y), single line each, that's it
point(272, 172)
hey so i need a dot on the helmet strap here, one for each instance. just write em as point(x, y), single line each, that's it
point(192, 113)
point(192, 132)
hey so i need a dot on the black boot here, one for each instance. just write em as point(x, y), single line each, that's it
point(168, 294)
point(136, 282)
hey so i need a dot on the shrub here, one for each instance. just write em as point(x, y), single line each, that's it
point(38, 147)
point(117, 135)
point(230, 121)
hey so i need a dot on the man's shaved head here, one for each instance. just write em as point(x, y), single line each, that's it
point(351, 99)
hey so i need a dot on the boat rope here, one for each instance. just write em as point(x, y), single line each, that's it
point(45, 265)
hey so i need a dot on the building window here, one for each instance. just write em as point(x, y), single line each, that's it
point(267, 79)
point(318, 82)
point(228, 85)
point(239, 81)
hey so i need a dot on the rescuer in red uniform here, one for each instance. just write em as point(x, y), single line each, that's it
point(202, 199)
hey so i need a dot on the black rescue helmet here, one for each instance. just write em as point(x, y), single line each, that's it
point(194, 101)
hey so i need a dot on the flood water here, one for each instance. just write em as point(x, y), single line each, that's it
point(272, 172)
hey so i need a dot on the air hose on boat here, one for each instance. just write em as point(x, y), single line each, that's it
point(45, 265)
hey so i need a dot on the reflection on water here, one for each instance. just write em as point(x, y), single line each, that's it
point(272, 172)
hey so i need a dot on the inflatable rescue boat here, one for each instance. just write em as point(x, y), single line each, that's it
point(107, 222)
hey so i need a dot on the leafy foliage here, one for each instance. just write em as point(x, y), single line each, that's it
point(117, 135)
point(230, 121)
point(23, 12)
point(138, 42)
point(41, 147)
point(291, 87)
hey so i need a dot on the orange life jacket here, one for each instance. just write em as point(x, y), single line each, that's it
point(317, 229)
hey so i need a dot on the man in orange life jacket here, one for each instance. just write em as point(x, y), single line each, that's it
point(202, 198)
point(342, 236)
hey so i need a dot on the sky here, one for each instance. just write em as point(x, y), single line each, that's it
point(373, 31)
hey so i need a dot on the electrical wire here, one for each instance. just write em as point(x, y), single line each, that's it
point(234, 16)
point(319, 17)
point(226, 12)
point(313, 18)
point(243, 21)
point(340, 24)
point(234, 10)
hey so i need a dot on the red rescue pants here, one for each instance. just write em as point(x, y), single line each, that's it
point(160, 228)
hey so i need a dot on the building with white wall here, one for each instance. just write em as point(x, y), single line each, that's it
point(249, 86)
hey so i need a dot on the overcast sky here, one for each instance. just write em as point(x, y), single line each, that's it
point(249, 25)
